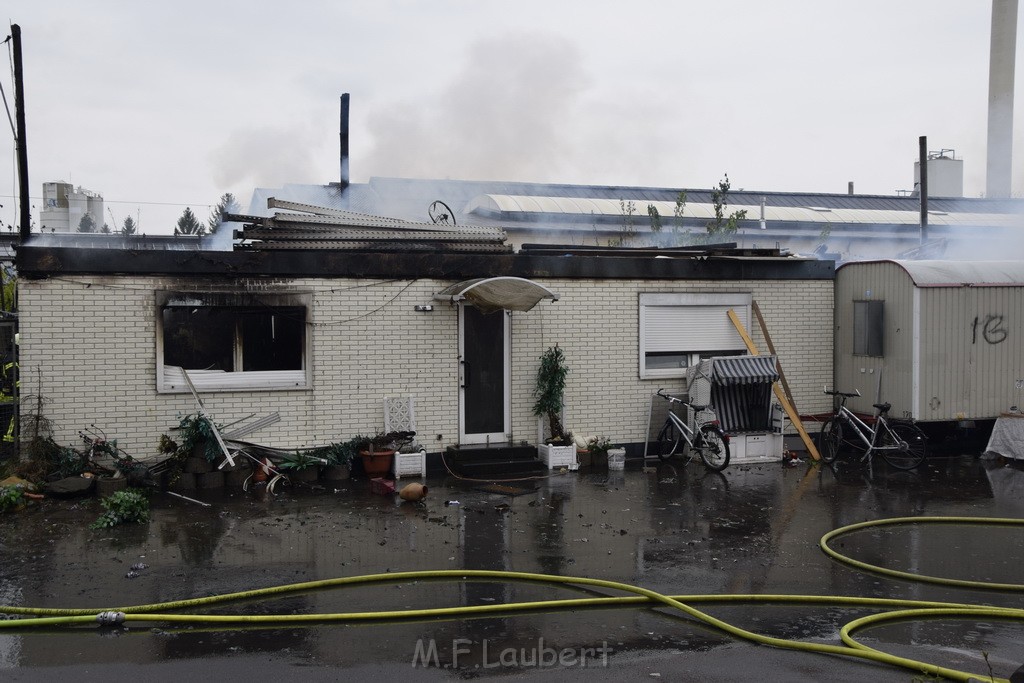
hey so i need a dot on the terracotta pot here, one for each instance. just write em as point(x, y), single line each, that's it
point(377, 462)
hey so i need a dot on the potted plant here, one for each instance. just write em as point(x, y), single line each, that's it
point(301, 466)
point(597, 447)
point(378, 451)
point(339, 458)
point(558, 449)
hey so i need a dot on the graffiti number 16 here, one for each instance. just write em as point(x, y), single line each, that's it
point(992, 330)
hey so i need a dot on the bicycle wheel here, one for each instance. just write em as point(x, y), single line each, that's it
point(916, 445)
point(830, 441)
point(713, 448)
point(668, 442)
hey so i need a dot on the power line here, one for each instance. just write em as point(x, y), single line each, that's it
point(124, 201)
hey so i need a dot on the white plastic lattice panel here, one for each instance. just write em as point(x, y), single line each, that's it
point(399, 414)
point(411, 464)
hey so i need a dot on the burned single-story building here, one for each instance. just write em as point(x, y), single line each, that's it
point(321, 324)
point(942, 341)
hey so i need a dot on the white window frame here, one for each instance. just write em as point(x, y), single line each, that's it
point(869, 328)
point(171, 380)
point(708, 331)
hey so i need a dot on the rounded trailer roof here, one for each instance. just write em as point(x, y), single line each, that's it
point(958, 273)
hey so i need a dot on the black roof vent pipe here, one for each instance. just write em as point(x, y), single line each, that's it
point(344, 142)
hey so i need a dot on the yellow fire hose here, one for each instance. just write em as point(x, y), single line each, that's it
point(642, 597)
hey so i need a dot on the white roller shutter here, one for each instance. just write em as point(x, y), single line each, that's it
point(689, 323)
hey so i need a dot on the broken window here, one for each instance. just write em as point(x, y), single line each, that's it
point(232, 341)
point(868, 320)
point(678, 330)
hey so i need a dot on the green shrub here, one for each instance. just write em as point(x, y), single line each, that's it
point(11, 497)
point(123, 507)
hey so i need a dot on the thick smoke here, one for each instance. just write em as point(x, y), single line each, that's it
point(513, 113)
point(269, 156)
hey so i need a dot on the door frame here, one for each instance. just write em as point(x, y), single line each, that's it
point(487, 437)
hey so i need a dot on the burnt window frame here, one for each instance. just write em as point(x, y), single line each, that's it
point(869, 328)
point(237, 306)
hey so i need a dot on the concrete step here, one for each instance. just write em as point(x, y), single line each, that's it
point(498, 469)
point(488, 452)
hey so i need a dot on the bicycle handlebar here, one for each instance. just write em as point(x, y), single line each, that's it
point(669, 397)
point(845, 394)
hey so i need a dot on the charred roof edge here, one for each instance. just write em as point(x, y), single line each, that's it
point(44, 262)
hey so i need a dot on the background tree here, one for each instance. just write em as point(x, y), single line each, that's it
point(188, 225)
point(128, 228)
point(105, 229)
point(87, 224)
point(679, 211)
point(722, 225)
point(652, 212)
point(226, 205)
point(628, 230)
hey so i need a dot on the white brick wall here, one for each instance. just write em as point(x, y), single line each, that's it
point(88, 348)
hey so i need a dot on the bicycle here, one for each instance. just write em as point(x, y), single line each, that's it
point(901, 443)
point(707, 438)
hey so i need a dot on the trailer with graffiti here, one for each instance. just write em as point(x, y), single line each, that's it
point(940, 340)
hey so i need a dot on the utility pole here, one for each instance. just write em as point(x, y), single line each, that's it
point(19, 115)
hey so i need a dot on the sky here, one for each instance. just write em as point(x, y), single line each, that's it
point(162, 106)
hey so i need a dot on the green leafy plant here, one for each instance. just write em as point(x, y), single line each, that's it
point(11, 498)
point(197, 430)
point(384, 441)
point(299, 460)
point(549, 391)
point(338, 453)
point(129, 506)
point(599, 445)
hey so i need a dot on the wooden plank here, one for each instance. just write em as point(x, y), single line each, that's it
point(786, 405)
point(771, 349)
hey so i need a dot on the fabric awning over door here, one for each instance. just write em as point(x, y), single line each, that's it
point(490, 294)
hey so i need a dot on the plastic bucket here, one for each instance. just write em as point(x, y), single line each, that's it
point(616, 458)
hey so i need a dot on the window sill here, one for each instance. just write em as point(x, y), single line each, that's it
point(172, 381)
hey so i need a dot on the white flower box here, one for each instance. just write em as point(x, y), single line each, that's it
point(411, 464)
point(557, 456)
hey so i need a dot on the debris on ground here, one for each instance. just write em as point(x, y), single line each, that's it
point(69, 487)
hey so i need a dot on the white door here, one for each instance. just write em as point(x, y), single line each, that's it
point(484, 376)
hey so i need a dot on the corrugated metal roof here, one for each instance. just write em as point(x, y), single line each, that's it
point(524, 204)
point(958, 273)
point(300, 225)
point(409, 198)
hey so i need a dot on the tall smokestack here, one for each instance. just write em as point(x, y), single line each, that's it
point(344, 141)
point(1002, 55)
point(922, 151)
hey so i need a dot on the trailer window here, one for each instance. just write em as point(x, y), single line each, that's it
point(868, 321)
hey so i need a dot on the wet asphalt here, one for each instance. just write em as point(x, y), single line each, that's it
point(672, 528)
